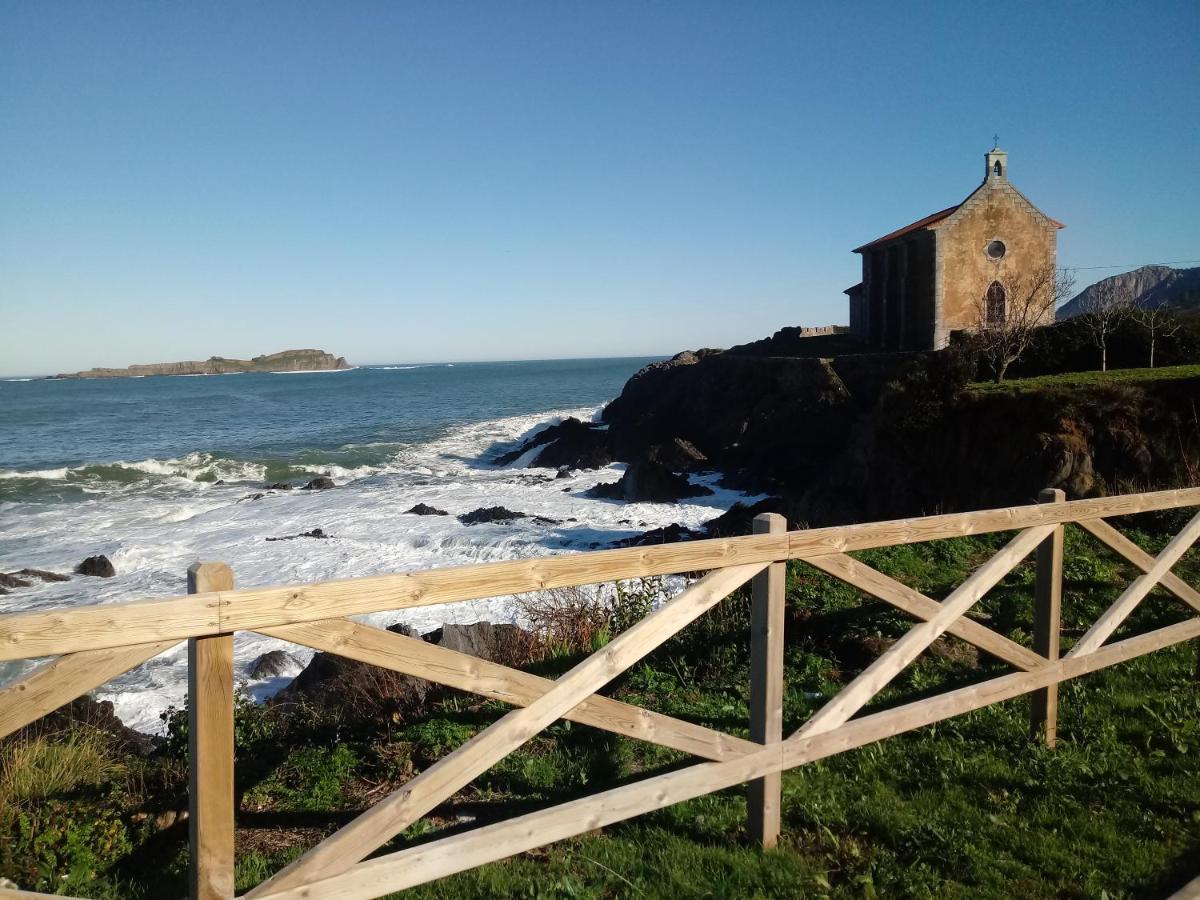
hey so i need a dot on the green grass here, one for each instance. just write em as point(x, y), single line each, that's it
point(966, 808)
point(1077, 379)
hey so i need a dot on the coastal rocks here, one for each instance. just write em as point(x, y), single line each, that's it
point(318, 533)
point(649, 482)
point(491, 515)
point(97, 567)
point(279, 486)
point(424, 509)
point(570, 443)
point(25, 577)
point(274, 664)
point(352, 689)
point(320, 483)
point(678, 455)
point(738, 520)
point(671, 534)
point(43, 575)
point(285, 361)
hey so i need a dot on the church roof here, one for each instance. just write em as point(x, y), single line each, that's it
point(931, 219)
point(915, 226)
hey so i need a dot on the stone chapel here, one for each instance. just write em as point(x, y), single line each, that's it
point(927, 279)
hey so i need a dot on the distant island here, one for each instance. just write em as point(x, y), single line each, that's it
point(285, 361)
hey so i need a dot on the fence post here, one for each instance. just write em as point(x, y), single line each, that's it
point(210, 748)
point(764, 795)
point(1047, 619)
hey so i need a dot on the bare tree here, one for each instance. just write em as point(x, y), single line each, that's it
point(1103, 307)
point(1158, 321)
point(1008, 315)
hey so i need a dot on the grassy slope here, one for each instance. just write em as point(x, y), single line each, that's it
point(1076, 379)
point(967, 808)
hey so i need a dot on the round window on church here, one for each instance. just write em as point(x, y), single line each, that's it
point(996, 250)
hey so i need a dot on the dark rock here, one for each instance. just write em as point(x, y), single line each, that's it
point(44, 575)
point(564, 472)
point(669, 535)
point(257, 496)
point(96, 566)
point(273, 664)
point(280, 486)
point(320, 483)
point(315, 533)
point(12, 581)
point(95, 715)
point(481, 639)
point(349, 688)
point(570, 443)
point(423, 509)
point(496, 514)
point(738, 520)
point(677, 455)
point(651, 482)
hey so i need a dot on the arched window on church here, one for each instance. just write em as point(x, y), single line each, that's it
point(997, 168)
point(996, 296)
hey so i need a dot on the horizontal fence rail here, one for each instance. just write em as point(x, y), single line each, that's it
point(94, 644)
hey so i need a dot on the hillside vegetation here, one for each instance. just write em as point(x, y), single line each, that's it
point(968, 808)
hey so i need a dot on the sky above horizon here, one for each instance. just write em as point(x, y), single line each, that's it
point(397, 182)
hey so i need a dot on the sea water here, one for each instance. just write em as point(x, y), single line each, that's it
point(157, 473)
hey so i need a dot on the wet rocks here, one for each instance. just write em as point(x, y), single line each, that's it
point(43, 575)
point(274, 664)
point(12, 581)
point(650, 482)
point(279, 486)
point(669, 535)
point(320, 483)
point(97, 567)
point(318, 533)
point(570, 443)
point(491, 515)
point(424, 509)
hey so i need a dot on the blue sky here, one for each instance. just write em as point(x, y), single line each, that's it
point(454, 181)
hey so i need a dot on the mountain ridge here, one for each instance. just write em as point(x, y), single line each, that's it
point(1149, 286)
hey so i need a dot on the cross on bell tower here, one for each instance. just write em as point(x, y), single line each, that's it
point(997, 163)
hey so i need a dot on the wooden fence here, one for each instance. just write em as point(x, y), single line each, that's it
point(94, 644)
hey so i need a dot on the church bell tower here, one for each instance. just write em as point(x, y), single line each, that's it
point(997, 165)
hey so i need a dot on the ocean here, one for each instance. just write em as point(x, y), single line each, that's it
point(157, 473)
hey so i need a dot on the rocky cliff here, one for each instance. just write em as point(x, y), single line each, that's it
point(285, 361)
point(1148, 287)
point(877, 436)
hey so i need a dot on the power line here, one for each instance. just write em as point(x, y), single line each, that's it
point(1172, 262)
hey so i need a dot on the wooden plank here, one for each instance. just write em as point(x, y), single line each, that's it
point(385, 819)
point(1122, 545)
point(1111, 619)
point(413, 656)
point(851, 571)
point(210, 749)
point(1190, 891)
point(427, 862)
point(61, 680)
point(1047, 622)
point(47, 633)
point(764, 796)
point(876, 676)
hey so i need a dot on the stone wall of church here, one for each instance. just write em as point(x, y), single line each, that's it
point(996, 213)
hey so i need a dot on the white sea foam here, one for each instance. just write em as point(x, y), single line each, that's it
point(313, 371)
point(153, 531)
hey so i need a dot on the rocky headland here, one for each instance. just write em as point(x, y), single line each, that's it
point(866, 436)
point(284, 361)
